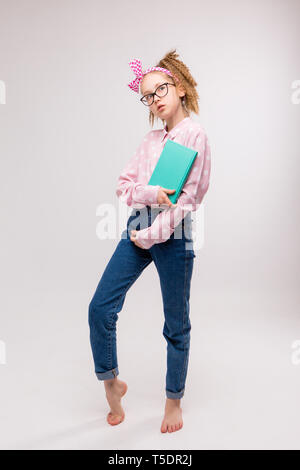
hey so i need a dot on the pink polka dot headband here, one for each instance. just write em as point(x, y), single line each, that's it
point(136, 66)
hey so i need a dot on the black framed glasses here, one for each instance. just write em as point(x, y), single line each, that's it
point(161, 90)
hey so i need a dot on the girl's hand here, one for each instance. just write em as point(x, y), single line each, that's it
point(162, 197)
point(133, 239)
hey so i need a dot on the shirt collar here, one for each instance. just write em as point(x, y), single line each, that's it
point(174, 131)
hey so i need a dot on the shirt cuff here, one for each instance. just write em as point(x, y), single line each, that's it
point(142, 237)
point(150, 193)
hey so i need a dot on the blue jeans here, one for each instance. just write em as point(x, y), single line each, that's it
point(174, 260)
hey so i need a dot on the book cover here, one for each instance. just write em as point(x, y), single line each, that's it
point(173, 167)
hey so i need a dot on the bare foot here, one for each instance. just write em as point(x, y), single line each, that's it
point(173, 416)
point(115, 389)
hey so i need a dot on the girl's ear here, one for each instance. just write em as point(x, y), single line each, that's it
point(180, 90)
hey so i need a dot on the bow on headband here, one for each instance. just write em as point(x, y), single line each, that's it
point(136, 66)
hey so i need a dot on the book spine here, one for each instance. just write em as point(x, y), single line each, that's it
point(183, 180)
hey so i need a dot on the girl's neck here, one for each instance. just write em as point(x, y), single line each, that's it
point(174, 120)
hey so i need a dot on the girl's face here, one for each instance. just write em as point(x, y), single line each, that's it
point(171, 101)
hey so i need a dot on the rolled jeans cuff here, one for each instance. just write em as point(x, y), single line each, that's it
point(110, 374)
point(175, 395)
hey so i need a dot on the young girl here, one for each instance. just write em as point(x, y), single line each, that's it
point(154, 233)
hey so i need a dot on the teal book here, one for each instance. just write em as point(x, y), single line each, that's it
point(173, 167)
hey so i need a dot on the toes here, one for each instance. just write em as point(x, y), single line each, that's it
point(174, 427)
point(114, 419)
point(163, 427)
point(114, 422)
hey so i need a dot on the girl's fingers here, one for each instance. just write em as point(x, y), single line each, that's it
point(134, 240)
point(133, 236)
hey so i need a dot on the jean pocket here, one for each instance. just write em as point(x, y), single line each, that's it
point(189, 248)
point(190, 254)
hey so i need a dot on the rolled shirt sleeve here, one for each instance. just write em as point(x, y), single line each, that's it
point(132, 192)
point(189, 200)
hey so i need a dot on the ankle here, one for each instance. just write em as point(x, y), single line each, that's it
point(109, 383)
point(173, 401)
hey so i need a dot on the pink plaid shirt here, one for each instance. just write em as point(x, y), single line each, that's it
point(132, 187)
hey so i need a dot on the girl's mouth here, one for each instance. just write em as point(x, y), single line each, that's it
point(161, 107)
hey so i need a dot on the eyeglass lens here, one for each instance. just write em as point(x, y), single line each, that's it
point(161, 91)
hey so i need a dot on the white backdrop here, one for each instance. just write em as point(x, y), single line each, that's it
point(68, 125)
